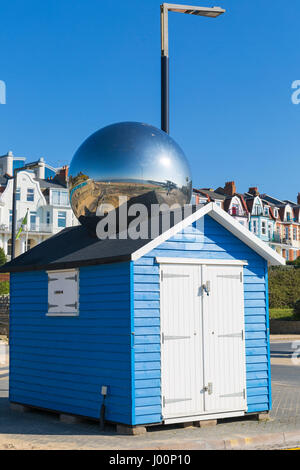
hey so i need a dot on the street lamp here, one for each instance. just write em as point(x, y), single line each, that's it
point(164, 10)
point(29, 166)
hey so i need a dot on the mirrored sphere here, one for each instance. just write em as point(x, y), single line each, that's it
point(129, 159)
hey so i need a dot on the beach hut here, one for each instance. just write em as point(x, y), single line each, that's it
point(170, 329)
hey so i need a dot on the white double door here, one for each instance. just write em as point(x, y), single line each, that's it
point(202, 339)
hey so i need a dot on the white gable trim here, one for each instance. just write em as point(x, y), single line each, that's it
point(215, 262)
point(228, 222)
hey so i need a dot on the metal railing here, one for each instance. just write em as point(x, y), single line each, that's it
point(31, 228)
point(237, 212)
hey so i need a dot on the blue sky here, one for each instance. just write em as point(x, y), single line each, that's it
point(72, 67)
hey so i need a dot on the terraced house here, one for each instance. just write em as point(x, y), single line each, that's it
point(275, 221)
point(286, 238)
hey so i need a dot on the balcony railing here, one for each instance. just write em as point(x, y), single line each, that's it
point(31, 228)
point(276, 238)
point(40, 228)
point(235, 212)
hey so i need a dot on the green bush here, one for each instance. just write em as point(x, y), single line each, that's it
point(296, 262)
point(284, 286)
point(297, 309)
point(4, 287)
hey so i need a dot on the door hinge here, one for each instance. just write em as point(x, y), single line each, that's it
point(244, 394)
point(241, 276)
point(161, 275)
point(162, 338)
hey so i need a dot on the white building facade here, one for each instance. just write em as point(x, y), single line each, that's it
point(46, 202)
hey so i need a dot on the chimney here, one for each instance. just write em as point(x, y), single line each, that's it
point(254, 191)
point(298, 199)
point(230, 188)
point(63, 174)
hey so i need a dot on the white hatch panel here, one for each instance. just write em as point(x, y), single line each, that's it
point(63, 292)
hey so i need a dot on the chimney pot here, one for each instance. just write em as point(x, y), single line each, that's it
point(254, 191)
point(230, 188)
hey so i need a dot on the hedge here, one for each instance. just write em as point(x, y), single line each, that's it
point(284, 286)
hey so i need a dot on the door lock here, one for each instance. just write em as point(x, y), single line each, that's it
point(206, 287)
point(209, 388)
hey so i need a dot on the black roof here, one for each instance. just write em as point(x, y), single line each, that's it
point(79, 246)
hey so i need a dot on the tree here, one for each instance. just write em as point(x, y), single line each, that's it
point(3, 259)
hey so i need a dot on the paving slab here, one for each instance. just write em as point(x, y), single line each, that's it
point(42, 430)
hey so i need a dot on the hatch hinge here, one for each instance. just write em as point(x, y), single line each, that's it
point(72, 305)
point(72, 278)
point(51, 306)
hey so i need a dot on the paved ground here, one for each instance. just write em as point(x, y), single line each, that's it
point(39, 430)
point(285, 381)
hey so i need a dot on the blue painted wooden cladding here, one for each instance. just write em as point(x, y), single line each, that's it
point(60, 363)
point(216, 243)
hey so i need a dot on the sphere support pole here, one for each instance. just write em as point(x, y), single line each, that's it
point(164, 69)
point(165, 94)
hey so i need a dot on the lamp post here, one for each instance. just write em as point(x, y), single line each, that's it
point(29, 166)
point(164, 10)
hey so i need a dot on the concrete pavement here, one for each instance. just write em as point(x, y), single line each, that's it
point(40, 430)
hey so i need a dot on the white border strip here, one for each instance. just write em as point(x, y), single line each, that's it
point(228, 262)
point(184, 419)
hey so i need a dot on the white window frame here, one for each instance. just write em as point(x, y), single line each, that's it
point(75, 312)
point(30, 194)
point(60, 218)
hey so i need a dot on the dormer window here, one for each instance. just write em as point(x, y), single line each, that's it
point(257, 209)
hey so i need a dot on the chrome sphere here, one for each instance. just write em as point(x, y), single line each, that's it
point(128, 159)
